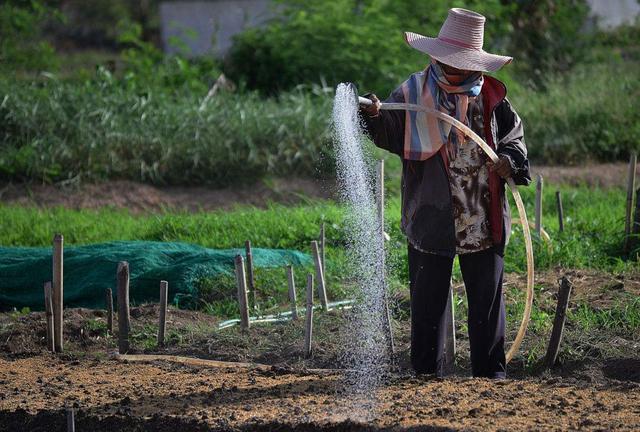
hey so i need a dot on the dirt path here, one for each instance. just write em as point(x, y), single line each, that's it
point(163, 396)
point(140, 198)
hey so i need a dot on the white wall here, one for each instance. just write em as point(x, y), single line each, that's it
point(612, 13)
point(209, 21)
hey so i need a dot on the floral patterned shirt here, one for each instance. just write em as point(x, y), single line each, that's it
point(469, 184)
point(469, 180)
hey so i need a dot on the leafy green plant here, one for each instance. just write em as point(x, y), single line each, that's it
point(22, 45)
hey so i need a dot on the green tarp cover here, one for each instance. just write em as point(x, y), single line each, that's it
point(90, 270)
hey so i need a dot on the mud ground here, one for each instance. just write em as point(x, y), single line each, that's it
point(111, 395)
point(590, 393)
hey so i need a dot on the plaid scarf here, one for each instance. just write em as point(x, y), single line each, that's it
point(424, 134)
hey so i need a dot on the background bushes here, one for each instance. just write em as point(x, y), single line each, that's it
point(141, 115)
point(362, 41)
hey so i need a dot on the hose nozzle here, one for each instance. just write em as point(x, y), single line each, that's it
point(364, 101)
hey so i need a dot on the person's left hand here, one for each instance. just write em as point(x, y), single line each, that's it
point(502, 167)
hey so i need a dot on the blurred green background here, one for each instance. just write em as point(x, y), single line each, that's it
point(87, 92)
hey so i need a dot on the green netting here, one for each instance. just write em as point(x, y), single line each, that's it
point(90, 270)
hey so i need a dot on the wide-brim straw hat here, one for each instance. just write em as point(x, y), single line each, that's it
point(459, 43)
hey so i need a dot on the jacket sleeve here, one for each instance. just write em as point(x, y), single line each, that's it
point(511, 142)
point(386, 129)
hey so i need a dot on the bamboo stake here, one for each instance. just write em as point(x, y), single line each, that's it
point(560, 211)
point(559, 321)
point(242, 292)
point(322, 291)
point(292, 292)
point(250, 277)
point(538, 215)
point(48, 308)
point(162, 324)
point(322, 254)
point(109, 303)
point(71, 420)
point(308, 328)
point(635, 230)
point(450, 326)
point(380, 199)
point(631, 181)
point(58, 292)
point(124, 317)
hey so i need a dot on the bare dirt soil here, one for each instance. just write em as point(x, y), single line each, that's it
point(111, 395)
point(600, 393)
point(140, 198)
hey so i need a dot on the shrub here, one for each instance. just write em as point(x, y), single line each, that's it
point(362, 41)
point(56, 130)
point(588, 114)
point(22, 46)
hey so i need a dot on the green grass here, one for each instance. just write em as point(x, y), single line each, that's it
point(592, 238)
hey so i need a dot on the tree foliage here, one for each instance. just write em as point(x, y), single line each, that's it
point(362, 40)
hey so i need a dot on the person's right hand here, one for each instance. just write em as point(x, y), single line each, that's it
point(373, 109)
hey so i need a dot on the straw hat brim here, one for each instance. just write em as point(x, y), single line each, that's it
point(459, 57)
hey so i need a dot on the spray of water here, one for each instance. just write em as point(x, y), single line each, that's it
point(367, 349)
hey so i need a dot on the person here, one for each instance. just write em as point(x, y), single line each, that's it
point(453, 196)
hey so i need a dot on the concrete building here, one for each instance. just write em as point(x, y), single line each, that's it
point(207, 27)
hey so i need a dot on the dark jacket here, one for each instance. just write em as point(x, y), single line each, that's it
point(427, 215)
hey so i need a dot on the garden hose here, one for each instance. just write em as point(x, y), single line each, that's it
point(514, 191)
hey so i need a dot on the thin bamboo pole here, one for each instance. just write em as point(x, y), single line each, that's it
point(162, 324)
point(48, 310)
point(71, 420)
point(109, 302)
point(58, 292)
point(308, 328)
point(124, 317)
point(635, 230)
point(558, 322)
point(538, 215)
point(560, 211)
point(380, 201)
point(243, 301)
point(250, 277)
point(322, 250)
point(450, 341)
point(322, 291)
point(631, 182)
point(292, 292)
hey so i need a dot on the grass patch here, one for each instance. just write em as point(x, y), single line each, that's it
point(592, 239)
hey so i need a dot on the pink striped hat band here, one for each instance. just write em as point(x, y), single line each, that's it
point(459, 43)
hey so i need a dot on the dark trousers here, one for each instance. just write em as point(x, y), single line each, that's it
point(430, 279)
